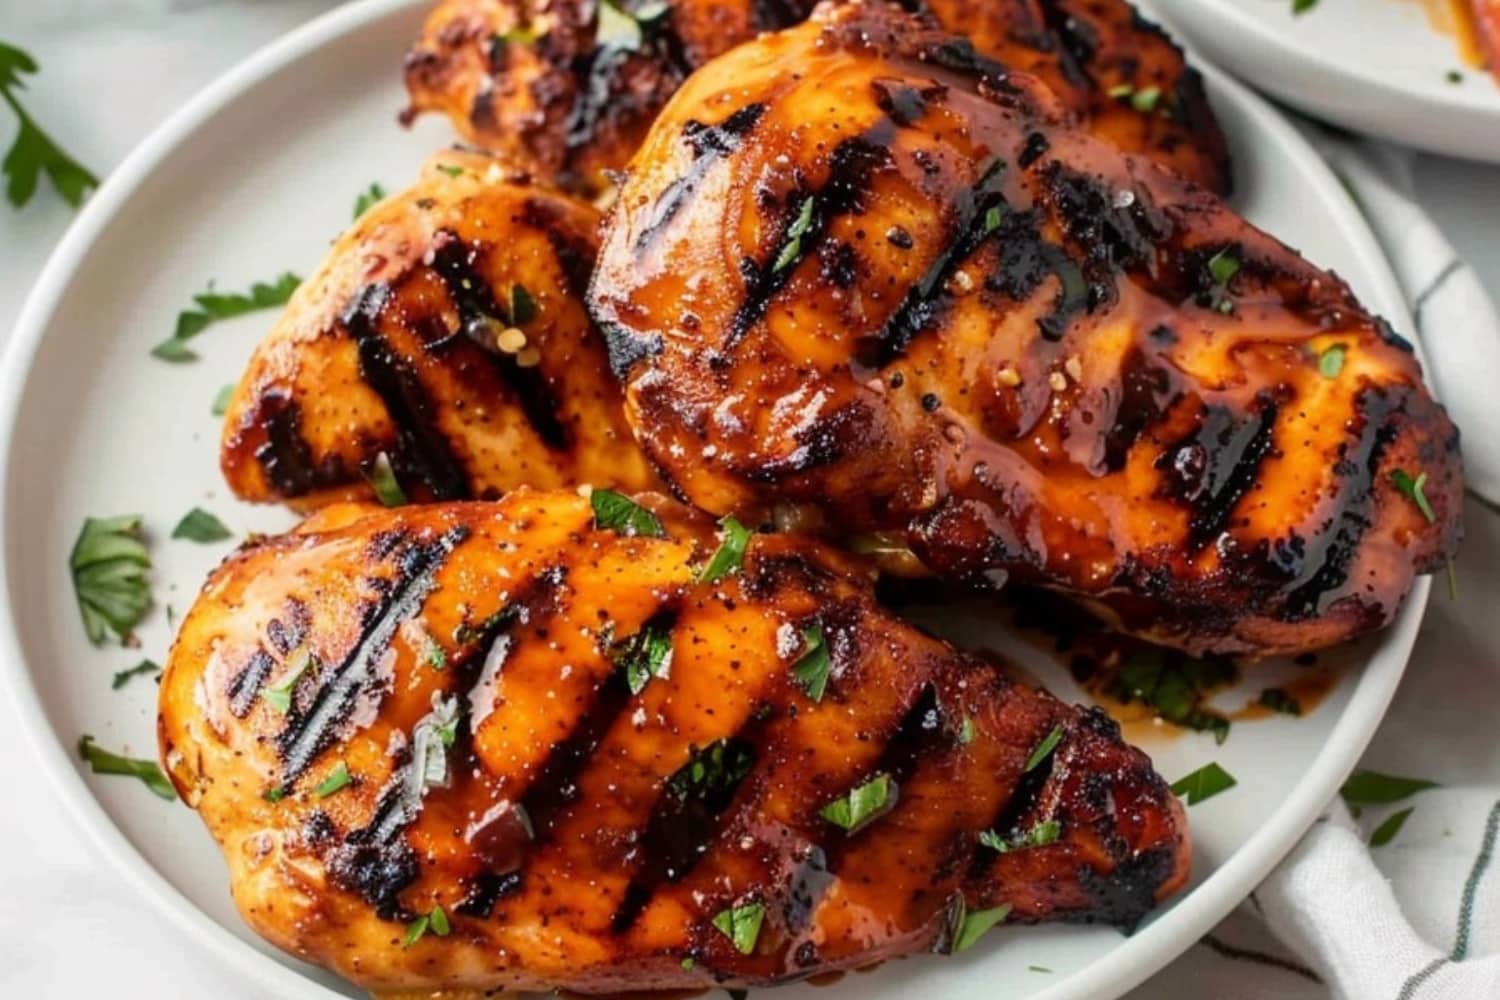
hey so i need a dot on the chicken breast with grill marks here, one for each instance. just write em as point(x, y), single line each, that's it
point(901, 289)
point(476, 746)
point(445, 330)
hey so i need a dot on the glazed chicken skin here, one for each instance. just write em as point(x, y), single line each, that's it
point(609, 773)
point(907, 293)
point(446, 331)
point(568, 88)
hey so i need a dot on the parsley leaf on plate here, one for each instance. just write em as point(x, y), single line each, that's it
point(109, 563)
point(1371, 788)
point(124, 677)
point(213, 306)
point(1387, 830)
point(221, 400)
point(102, 761)
point(366, 198)
point(34, 153)
point(1204, 783)
point(198, 525)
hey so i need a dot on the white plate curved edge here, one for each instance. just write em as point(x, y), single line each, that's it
point(71, 444)
point(1372, 66)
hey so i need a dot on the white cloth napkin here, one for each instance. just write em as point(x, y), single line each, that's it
point(1417, 918)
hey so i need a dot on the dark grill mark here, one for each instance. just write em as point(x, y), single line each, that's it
point(246, 684)
point(1146, 394)
point(1124, 896)
point(1024, 260)
point(308, 734)
point(575, 253)
point(1215, 467)
point(287, 635)
point(422, 449)
point(455, 263)
point(285, 456)
point(904, 103)
point(710, 144)
point(555, 786)
point(377, 872)
point(485, 890)
point(1035, 148)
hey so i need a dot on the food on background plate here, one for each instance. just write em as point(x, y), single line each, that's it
point(603, 745)
point(904, 292)
point(569, 88)
point(442, 350)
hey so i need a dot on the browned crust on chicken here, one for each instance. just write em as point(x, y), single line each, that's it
point(535, 82)
point(900, 287)
point(579, 835)
point(394, 347)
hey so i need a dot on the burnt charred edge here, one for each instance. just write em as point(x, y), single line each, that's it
point(1358, 468)
point(686, 818)
point(1213, 468)
point(710, 144)
point(309, 733)
point(626, 348)
point(455, 262)
point(285, 456)
point(575, 253)
point(421, 447)
point(1076, 42)
point(925, 299)
point(287, 634)
point(377, 872)
point(554, 787)
point(1123, 897)
point(245, 685)
point(903, 103)
point(958, 55)
point(1108, 236)
point(851, 167)
point(773, 15)
point(485, 890)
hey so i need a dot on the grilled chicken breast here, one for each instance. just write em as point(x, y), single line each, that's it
point(512, 744)
point(568, 88)
point(446, 330)
point(900, 288)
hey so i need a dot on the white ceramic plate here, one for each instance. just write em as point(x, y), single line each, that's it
point(1374, 66)
point(254, 177)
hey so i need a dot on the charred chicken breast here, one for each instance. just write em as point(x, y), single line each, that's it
point(901, 288)
point(568, 88)
point(446, 331)
point(560, 742)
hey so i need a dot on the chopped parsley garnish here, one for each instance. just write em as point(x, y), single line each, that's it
point(1413, 490)
point(273, 795)
point(1223, 266)
point(382, 479)
point(450, 169)
point(645, 655)
point(1387, 830)
point(1303, 6)
point(966, 928)
point(713, 772)
point(811, 669)
point(731, 552)
point(993, 216)
point(522, 306)
point(863, 804)
point(741, 925)
point(1044, 749)
point(366, 198)
point(33, 152)
point(279, 695)
point(1146, 99)
point(435, 657)
point(1204, 783)
point(688, 963)
point(198, 525)
point(337, 778)
point(214, 306)
point(966, 732)
point(1278, 700)
point(101, 761)
point(521, 34)
point(1331, 361)
point(108, 564)
point(1038, 968)
point(436, 922)
point(430, 740)
point(1454, 76)
point(618, 513)
point(792, 248)
point(1040, 835)
point(144, 667)
point(1175, 686)
point(221, 401)
point(619, 28)
point(1371, 788)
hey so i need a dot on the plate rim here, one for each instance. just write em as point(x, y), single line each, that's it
point(1164, 938)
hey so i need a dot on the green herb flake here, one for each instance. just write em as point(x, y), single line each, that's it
point(337, 778)
point(1044, 749)
point(1146, 99)
point(1038, 968)
point(34, 153)
point(1386, 831)
point(642, 656)
point(1300, 7)
point(1120, 91)
point(1204, 783)
point(730, 553)
point(792, 248)
point(416, 930)
point(435, 657)
point(622, 515)
point(1413, 490)
point(144, 667)
point(688, 963)
point(622, 29)
point(1223, 266)
point(451, 170)
point(108, 565)
point(382, 479)
point(1454, 76)
point(1371, 788)
point(966, 732)
point(279, 695)
point(221, 400)
point(367, 198)
point(1331, 361)
point(273, 795)
point(811, 669)
point(521, 34)
point(438, 921)
point(1278, 700)
point(969, 927)
point(522, 306)
point(101, 761)
point(1175, 686)
point(993, 216)
point(741, 925)
point(863, 804)
point(1040, 835)
point(214, 306)
point(198, 525)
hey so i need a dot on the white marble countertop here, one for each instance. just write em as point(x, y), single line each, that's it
point(72, 928)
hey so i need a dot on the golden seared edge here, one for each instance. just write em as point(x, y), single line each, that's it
point(571, 97)
point(582, 821)
point(445, 330)
point(902, 290)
